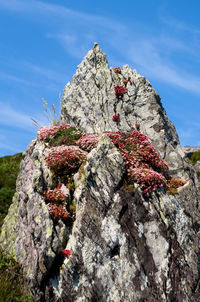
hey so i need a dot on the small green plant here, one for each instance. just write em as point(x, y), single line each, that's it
point(195, 157)
point(198, 174)
point(65, 137)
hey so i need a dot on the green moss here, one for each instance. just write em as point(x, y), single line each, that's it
point(128, 187)
point(65, 137)
point(164, 219)
point(72, 207)
point(198, 174)
point(195, 157)
point(172, 191)
point(83, 175)
point(49, 230)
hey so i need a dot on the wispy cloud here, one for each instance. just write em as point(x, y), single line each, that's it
point(147, 55)
point(153, 54)
point(178, 25)
point(39, 7)
point(10, 77)
point(8, 147)
point(13, 118)
point(44, 72)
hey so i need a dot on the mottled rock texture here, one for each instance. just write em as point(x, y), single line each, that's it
point(189, 152)
point(89, 102)
point(125, 247)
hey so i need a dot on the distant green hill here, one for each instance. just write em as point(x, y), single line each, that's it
point(9, 168)
point(12, 287)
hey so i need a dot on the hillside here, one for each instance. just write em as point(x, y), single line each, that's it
point(9, 169)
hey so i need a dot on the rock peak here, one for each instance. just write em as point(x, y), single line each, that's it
point(90, 102)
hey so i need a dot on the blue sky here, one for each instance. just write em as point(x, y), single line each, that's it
point(42, 42)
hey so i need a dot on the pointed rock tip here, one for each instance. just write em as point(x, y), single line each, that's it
point(96, 48)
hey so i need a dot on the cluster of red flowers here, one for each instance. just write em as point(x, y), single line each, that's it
point(57, 211)
point(117, 70)
point(57, 194)
point(116, 117)
point(119, 91)
point(149, 180)
point(137, 151)
point(140, 157)
point(88, 142)
point(48, 132)
point(175, 183)
point(143, 164)
point(66, 253)
point(68, 157)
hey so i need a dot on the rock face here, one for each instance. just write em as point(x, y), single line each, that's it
point(89, 102)
point(188, 153)
point(124, 246)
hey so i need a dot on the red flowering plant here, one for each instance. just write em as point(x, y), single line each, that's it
point(148, 180)
point(68, 157)
point(117, 70)
point(119, 91)
point(66, 253)
point(173, 184)
point(48, 132)
point(125, 82)
point(88, 142)
point(58, 211)
point(137, 151)
point(57, 195)
point(139, 155)
point(116, 117)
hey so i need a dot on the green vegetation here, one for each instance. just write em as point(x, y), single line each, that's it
point(195, 157)
point(12, 287)
point(9, 168)
point(65, 137)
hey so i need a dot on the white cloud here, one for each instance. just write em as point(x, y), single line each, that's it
point(44, 72)
point(147, 55)
point(7, 76)
point(13, 118)
point(153, 54)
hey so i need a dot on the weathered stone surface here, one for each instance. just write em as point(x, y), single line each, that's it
point(89, 102)
point(28, 232)
point(124, 247)
point(188, 153)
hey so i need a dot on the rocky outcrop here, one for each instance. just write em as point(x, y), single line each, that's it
point(124, 246)
point(89, 102)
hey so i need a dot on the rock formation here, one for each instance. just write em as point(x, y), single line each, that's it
point(121, 245)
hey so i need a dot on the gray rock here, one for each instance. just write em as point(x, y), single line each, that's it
point(28, 233)
point(124, 247)
point(89, 102)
